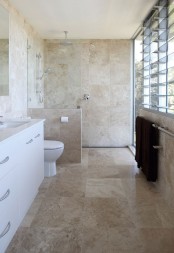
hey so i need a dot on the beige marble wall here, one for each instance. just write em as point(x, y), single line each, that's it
point(15, 105)
point(165, 181)
point(102, 69)
point(69, 133)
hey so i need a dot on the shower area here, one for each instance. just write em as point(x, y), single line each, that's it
point(90, 82)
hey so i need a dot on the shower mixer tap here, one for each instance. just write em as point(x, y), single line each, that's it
point(86, 96)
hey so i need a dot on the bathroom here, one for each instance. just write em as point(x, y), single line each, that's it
point(49, 80)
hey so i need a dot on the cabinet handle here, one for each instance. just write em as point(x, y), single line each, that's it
point(5, 230)
point(37, 136)
point(30, 141)
point(5, 195)
point(5, 160)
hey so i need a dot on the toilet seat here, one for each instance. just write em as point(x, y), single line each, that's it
point(50, 145)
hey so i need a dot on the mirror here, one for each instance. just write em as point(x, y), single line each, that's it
point(4, 52)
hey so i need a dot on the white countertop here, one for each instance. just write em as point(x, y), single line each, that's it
point(6, 133)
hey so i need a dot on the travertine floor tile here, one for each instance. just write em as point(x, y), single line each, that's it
point(85, 152)
point(146, 216)
point(125, 240)
point(103, 205)
point(157, 240)
point(104, 188)
point(138, 190)
point(75, 172)
point(67, 188)
point(58, 211)
point(107, 212)
point(114, 171)
point(47, 240)
point(166, 214)
point(95, 171)
point(45, 184)
point(119, 155)
point(100, 157)
point(95, 240)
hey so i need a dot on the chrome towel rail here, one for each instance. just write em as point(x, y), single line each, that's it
point(157, 147)
point(163, 130)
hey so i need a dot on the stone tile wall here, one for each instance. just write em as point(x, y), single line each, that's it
point(102, 69)
point(165, 181)
point(68, 133)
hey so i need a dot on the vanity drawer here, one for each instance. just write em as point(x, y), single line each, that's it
point(7, 158)
point(8, 227)
point(33, 134)
point(9, 208)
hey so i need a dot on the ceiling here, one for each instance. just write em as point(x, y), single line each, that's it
point(84, 19)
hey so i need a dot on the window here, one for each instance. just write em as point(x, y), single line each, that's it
point(158, 58)
point(138, 78)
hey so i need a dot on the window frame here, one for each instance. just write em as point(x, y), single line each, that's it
point(156, 57)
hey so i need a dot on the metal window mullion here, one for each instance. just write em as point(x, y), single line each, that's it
point(145, 56)
point(150, 61)
point(163, 12)
point(167, 65)
point(167, 36)
point(158, 61)
point(166, 24)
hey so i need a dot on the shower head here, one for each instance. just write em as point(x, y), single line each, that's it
point(66, 41)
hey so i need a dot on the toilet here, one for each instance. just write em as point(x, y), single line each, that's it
point(52, 151)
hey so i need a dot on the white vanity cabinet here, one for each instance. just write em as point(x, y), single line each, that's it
point(8, 155)
point(9, 192)
point(31, 172)
point(21, 173)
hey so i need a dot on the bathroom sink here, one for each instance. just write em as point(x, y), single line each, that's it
point(12, 124)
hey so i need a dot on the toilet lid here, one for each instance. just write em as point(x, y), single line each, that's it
point(53, 144)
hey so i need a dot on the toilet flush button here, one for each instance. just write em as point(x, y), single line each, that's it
point(64, 119)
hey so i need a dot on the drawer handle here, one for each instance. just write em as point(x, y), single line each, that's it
point(30, 141)
point(5, 195)
point(5, 160)
point(5, 230)
point(37, 136)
